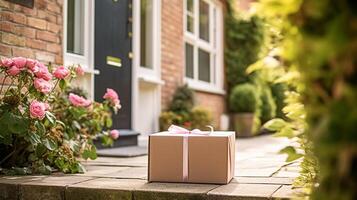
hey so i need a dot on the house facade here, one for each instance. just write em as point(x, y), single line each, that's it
point(144, 49)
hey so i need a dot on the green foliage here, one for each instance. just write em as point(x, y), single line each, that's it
point(200, 118)
point(244, 40)
point(243, 98)
point(183, 100)
point(268, 106)
point(40, 130)
point(183, 113)
point(278, 92)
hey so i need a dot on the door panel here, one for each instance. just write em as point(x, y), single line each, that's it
point(112, 27)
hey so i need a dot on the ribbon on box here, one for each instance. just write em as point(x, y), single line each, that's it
point(179, 130)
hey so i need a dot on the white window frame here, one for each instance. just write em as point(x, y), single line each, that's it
point(214, 47)
point(151, 75)
point(87, 59)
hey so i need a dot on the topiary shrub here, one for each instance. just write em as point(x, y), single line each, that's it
point(183, 100)
point(243, 99)
point(268, 106)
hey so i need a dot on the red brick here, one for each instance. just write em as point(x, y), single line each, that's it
point(12, 39)
point(55, 48)
point(7, 26)
point(59, 59)
point(4, 4)
point(53, 27)
point(41, 4)
point(26, 31)
point(45, 57)
point(28, 53)
point(13, 17)
point(46, 16)
point(35, 44)
point(54, 8)
point(47, 36)
point(36, 23)
point(5, 50)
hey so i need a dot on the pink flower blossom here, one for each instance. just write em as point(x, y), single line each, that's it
point(38, 109)
point(32, 65)
point(79, 70)
point(13, 71)
point(78, 100)
point(7, 62)
point(42, 85)
point(114, 134)
point(112, 96)
point(19, 62)
point(43, 72)
point(61, 72)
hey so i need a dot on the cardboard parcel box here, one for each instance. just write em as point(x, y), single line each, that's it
point(192, 158)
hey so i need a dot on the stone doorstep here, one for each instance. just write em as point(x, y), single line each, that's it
point(75, 187)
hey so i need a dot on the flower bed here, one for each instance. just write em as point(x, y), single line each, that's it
point(45, 125)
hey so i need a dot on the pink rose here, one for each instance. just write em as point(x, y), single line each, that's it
point(111, 96)
point(7, 62)
point(43, 72)
point(114, 134)
point(42, 85)
point(61, 72)
point(78, 100)
point(19, 62)
point(32, 65)
point(79, 71)
point(13, 71)
point(38, 109)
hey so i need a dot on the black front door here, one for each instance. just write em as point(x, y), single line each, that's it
point(112, 42)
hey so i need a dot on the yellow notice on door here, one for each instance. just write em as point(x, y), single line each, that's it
point(113, 61)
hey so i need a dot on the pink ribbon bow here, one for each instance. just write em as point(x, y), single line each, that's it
point(179, 130)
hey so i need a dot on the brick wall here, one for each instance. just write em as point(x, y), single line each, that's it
point(172, 60)
point(172, 48)
point(32, 32)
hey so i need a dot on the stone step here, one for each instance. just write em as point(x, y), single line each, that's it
point(76, 187)
point(126, 138)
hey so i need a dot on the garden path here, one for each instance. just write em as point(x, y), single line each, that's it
point(261, 173)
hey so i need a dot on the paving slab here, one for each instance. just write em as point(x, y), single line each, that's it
point(173, 191)
point(263, 180)
point(286, 192)
point(133, 172)
point(102, 171)
point(243, 191)
point(103, 188)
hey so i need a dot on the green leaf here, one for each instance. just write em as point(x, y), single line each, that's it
point(275, 124)
point(35, 138)
point(49, 144)
point(63, 84)
point(18, 124)
point(40, 150)
point(51, 118)
point(40, 127)
point(90, 153)
point(108, 122)
point(291, 152)
point(285, 132)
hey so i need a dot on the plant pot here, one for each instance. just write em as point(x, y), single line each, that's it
point(243, 124)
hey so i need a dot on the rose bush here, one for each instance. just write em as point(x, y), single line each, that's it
point(43, 126)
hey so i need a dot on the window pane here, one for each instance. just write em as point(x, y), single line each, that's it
point(204, 66)
point(190, 5)
point(189, 60)
point(75, 26)
point(146, 34)
point(190, 24)
point(204, 20)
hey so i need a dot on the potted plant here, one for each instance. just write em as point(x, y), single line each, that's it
point(243, 102)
